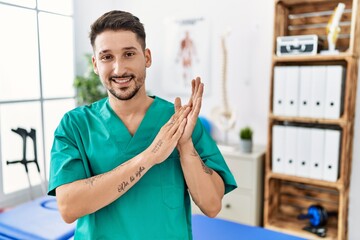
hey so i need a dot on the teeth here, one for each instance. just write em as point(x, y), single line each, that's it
point(121, 81)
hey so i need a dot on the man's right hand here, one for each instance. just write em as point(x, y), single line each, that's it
point(168, 136)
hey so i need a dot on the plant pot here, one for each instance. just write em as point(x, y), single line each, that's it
point(246, 145)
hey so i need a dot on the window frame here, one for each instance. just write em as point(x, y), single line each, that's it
point(23, 195)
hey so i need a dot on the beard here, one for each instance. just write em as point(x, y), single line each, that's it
point(126, 96)
point(127, 93)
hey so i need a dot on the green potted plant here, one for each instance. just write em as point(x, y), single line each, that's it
point(246, 135)
point(88, 87)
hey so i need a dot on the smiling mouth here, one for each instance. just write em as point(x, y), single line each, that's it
point(121, 80)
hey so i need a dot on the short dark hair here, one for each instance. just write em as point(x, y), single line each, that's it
point(118, 20)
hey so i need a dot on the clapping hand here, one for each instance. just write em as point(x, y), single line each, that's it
point(195, 106)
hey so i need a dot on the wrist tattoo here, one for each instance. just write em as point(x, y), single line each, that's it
point(157, 146)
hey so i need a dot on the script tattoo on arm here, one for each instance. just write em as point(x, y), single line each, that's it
point(90, 181)
point(124, 184)
point(206, 169)
point(157, 146)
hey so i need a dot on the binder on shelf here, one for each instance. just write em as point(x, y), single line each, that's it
point(292, 91)
point(278, 148)
point(331, 155)
point(290, 150)
point(305, 91)
point(333, 92)
point(279, 90)
point(317, 153)
point(318, 91)
point(303, 152)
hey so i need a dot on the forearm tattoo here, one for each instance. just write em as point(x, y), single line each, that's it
point(206, 169)
point(157, 146)
point(138, 173)
point(90, 181)
point(122, 187)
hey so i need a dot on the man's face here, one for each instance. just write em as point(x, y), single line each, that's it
point(121, 63)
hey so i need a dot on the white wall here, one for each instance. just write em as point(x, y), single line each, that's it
point(249, 63)
point(85, 13)
point(249, 55)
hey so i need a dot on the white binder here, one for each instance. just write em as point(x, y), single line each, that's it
point(292, 91)
point(279, 90)
point(334, 86)
point(303, 152)
point(278, 148)
point(332, 155)
point(290, 150)
point(305, 91)
point(318, 91)
point(317, 153)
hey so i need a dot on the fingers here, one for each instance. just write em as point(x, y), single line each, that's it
point(199, 88)
point(177, 104)
point(176, 119)
point(195, 84)
point(197, 101)
point(197, 106)
point(180, 130)
point(194, 105)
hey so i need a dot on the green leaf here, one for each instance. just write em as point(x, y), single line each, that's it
point(88, 87)
point(246, 133)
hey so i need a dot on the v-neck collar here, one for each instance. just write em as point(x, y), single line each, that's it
point(121, 135)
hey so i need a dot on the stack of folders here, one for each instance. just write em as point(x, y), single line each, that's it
point(308, 91)
point(306, 151)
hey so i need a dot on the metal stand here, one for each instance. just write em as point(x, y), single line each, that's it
point(32, 134)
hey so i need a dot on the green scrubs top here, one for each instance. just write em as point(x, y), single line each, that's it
point(91, 140)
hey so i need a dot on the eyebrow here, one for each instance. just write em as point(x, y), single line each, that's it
point(130, 48)
point(104, 51)
point(124, 49)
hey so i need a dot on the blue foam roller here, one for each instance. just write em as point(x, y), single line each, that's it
point(35, 220)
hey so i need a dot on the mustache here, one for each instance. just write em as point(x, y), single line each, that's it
point(122, 76)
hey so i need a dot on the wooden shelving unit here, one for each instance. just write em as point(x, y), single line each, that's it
point(287, 196)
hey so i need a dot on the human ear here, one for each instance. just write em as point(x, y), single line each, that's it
point(148, 59)
point(94, 65)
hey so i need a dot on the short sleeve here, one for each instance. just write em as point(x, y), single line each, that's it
point(212, 157)
point(66, 164)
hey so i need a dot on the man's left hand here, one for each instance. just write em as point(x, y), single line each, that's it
point(195, 105)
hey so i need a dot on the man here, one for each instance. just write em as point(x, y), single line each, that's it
point(122, 167)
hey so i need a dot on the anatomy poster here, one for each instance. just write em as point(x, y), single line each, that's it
point(186, 56)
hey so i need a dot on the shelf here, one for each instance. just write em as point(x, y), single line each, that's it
point(297, 2)
point(341, 122)
point(291, 225)
point(316, 182)
point(286, 196)
point(314, 58)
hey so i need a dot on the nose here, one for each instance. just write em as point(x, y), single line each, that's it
point(119, 67)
